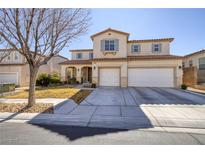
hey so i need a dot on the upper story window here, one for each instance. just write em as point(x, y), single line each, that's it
point(156, 47)
point(79, 56)
point(202, 63)
point(190, 63)
point(90, 55)
point(45, 62)
point(183, 64)
point(136, 48)
point(9, 57)
point(110, 45)
point(16, 56)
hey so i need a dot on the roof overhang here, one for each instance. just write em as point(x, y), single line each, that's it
point(152, 40)
point(110, 30)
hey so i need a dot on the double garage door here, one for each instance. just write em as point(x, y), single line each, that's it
point(9, 78)
point(138, 77)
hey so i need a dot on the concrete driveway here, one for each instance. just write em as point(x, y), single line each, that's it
point(142, 107)
point(128, 108)
point(141, 96)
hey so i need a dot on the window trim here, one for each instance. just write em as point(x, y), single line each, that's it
point(78, 55)
point(159, 47)
point(16, 54)
point(110, 45)
point(90, 57)
point(201, 68)
point(133, 48)
point(190, 63)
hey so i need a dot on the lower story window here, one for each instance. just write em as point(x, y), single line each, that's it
point(202, 63)
point(190, 63)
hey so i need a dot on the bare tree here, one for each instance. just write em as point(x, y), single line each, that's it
point(5, 52)
point(40, 34)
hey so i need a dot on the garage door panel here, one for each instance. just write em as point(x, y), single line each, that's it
point(8, 78)
point(151, 77)
point(109, 77)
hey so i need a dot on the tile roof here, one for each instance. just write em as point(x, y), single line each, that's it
point(144, 57)
point(76, 62)
point(109, 59)
point(152, 40)
point(150, 57)
point(196, 53)
point(77, 50)
point(109, 29)
point(6, 64)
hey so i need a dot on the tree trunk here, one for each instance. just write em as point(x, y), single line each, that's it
point(32, 85)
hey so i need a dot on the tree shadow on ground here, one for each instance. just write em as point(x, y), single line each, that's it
point(76, 132)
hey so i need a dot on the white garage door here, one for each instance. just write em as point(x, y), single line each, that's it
point(8, 78)
point(151, 77)
point(109, 77)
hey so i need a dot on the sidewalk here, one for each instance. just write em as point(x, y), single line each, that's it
point(54, 101)
point(162, 118)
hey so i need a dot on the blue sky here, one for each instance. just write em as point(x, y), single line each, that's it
point(187, 26)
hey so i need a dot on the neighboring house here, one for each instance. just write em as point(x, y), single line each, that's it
point(117, 61)
point(196, 59)
point(14, 69)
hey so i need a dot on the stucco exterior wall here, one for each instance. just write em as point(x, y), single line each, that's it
point(78, 71)
point(121, 64)
point(85, 55)
point(160, 64)
point(124, 65)
point(97, 53)
point(24, 73)
point(146, 49)
point(13, 69)
point(12, 59)
point(195, 60)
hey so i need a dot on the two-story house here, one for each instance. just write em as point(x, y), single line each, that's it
point(197, 60)
point(14, 68)
point(117, 61)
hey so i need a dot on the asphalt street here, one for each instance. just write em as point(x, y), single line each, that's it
point(23, 133)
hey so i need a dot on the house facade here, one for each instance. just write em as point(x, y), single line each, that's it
point(196, 59)
point(117, 61)
point(14, 69)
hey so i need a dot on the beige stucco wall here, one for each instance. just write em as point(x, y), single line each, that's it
point(78, 71)
point(146, 49)
point(161, 63)
point(117, 64)
point(97, 53)
point(12, 59)
point(85, 55)
point(194, 58)
point(124, 65)
point(12, 69)
point(23, 70)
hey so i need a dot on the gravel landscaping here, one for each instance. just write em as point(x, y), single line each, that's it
point(22, 107)
point(80, 96)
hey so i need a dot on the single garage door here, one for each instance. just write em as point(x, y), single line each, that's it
point(151, 77)
point(109, 77)
point(8, 78)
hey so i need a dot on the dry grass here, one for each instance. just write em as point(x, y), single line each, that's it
point(22, 107)
point(52, 92)
point(81, 95)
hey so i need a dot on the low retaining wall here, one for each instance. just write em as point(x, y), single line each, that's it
point(190, 76)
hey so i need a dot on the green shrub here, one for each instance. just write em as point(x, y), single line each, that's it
point(72, 80)
point(7, 87)
point(55, 79)
point(93, 85)
point(183, 86)
point(43, 80)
